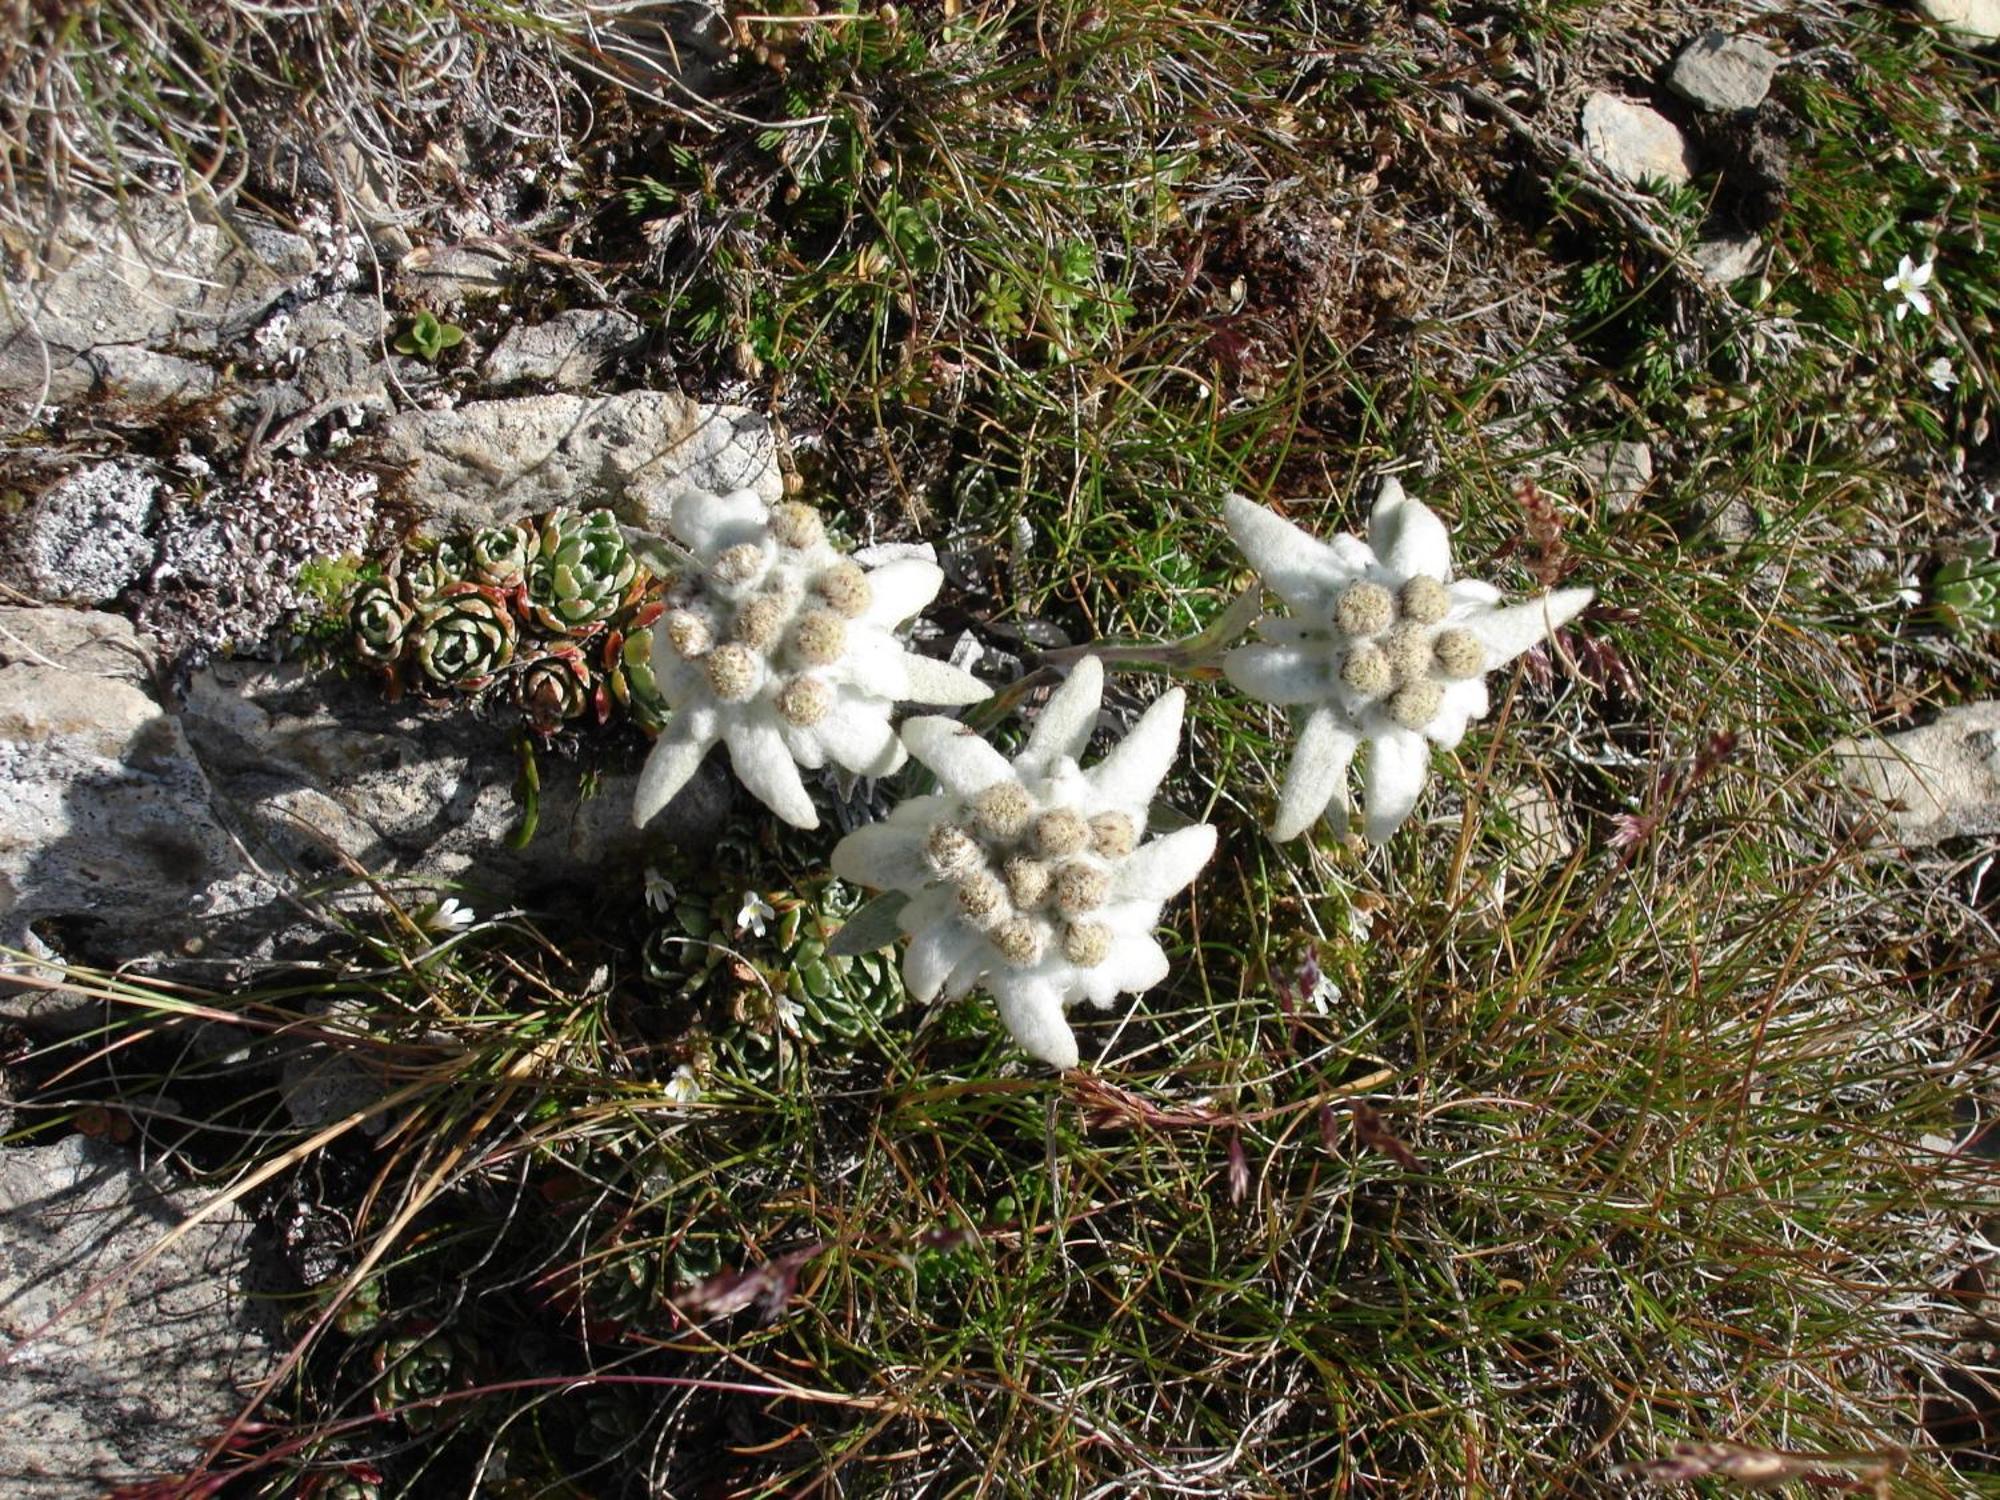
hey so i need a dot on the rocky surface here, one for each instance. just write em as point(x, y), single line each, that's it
point(146, 276)
point(108, 846)
point(492, 461)
point(1722, 72)
point(1729, 258)
point(1635, 143)
point(87, 538)
point(307, 768)
point(1975, 21)
point(1619, 472)
point(106, 1379)
point(1926, 785)
point(568, 351)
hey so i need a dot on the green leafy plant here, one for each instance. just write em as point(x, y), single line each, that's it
point(426, 336)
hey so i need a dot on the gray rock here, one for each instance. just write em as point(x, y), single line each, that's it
point(1722, 72)
point(1974, 21)
point(135, 1379)
point(444, 278)
point(1930, 784)
point(1536, 837)
point(494, 461)
point(86, 538)
point(1729, 258)
point(147, 274)
point(1634, 143)
point(1620, 472)
point(131, 377)
point(566, 351)
point(308, 768)
point(108, 849)
point(342, 355)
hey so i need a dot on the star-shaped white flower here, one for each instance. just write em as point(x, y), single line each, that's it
point(1381, 648)
point(1910, 280)
point(782, 648)
point(1030, 878)
point(1943, 376)
point(754, 915)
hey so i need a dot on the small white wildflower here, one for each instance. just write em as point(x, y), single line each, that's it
point(660, 891)
point(1070, 915)
point(789, 1014)
point(754, 914)
point(447, 916)
point(810, 666)
point(1909, 282)
point(1420, 686)
point(1942, 375)
point(683, 1087)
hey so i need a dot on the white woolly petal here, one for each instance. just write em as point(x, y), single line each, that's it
point(763, 763)
point(931, 681)
point(1135, 963)
point(1067, 720)
point(1137, 764)
point(1280, 674)
point(930, 906)
point(898, 589)
point(1469, 596)
point(1317, 778)
point(1283, 630)
point(1295, 565)
point(1032, 1009)
point(1399, 762)
point(1506, 633)
point(857, 735)
point(920, 812)
point(882, 857)
point(673, 760)
point(934, 953)
point(874, 665)
point(1155, 871)
point(968, 971)
point(1463, 702)
point(1407, 534)
point(711, 524)
point(964, 763)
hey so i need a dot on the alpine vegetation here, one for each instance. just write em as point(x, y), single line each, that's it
point(1030, 878)
point(781, 647)
point(1380, 647)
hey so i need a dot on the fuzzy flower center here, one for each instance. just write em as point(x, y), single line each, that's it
point(1394, 650)
point(1028, 877)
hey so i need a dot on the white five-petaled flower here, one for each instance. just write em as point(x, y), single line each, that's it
point(1029, 877)
point(1381, 648)
point(1910, 280)
point(448, 916)
point(781, 647)
point(754, 914)
point(1943, 376)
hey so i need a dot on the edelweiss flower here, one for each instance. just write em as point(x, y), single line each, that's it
point(1381, 647)
point(1029, 878)
point(781, 648)
point(1910, 280)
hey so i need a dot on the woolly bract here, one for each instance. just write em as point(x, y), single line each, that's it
point(782, 648)
point(1031, 878)
point(1381, 649)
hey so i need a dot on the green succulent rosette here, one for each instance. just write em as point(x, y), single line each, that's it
point(627, 665)
point(581, 573)
point(1967, 590)
point(499, 556)
point(378, 623)
point(554, 688)
point(411, 1368)
point(464, 636)
point(434, 573)
point(760, 999)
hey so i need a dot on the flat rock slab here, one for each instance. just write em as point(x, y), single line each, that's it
point(1635, 143)
point(108, 847)
point(303, 764)
point(489, 462)
point(1975, 21)
point(1722, 72)
point(86, 538)
point(146, 276)
point(134, 1380)
point(1926, 785)
point(567, 351)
